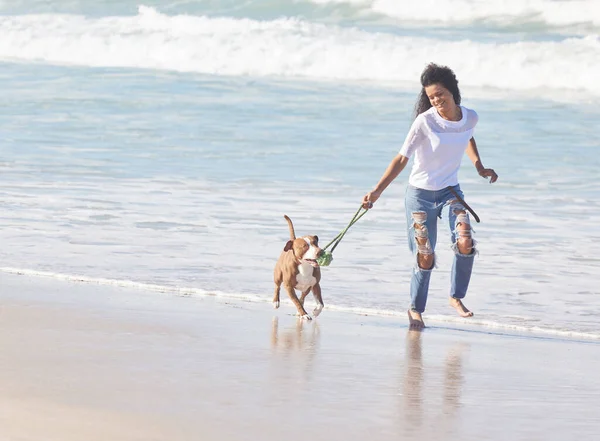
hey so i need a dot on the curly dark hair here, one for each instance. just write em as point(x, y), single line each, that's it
point(435, 74)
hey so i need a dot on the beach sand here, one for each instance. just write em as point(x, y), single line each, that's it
point(89, 362)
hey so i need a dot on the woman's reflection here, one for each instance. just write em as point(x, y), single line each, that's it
point(422, 414)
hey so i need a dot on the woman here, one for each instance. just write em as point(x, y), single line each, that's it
point(440, 134)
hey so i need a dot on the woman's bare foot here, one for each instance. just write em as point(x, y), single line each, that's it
point(415, 320)
point(460, 308)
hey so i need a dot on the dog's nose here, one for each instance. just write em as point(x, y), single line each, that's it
point(320, 253)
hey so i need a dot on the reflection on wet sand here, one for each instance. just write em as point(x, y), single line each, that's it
point(431, 404)
point(453, 379)
point(297, 343)
point(413, 380)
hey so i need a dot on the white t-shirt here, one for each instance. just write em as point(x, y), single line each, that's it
point(438, 146)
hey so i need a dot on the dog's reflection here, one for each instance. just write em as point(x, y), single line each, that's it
point(302, 336)
point(297, 343)
point(421, 403)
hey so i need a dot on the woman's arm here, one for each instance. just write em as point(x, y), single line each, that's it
point(473, 155)
point(393, 170)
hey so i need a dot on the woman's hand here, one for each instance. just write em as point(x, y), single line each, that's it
point(369, 199)
point(391, 172)
point(489, 173)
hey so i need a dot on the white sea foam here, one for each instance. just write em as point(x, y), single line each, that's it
point(151, 287)
point(294, 48)
point(561, 13)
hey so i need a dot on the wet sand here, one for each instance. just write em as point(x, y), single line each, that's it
point(81, 361)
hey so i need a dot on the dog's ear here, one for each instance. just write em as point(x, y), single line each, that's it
point(288, 246)
point(316, 239)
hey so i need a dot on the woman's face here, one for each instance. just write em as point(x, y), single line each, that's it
point(440, 98)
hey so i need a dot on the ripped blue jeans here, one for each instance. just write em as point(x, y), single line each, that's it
point(423, 207)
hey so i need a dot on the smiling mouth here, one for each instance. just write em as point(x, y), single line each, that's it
point(312, 262)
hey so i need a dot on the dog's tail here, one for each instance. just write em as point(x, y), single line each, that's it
point(292, 232)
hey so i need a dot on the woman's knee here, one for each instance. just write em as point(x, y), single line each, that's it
point(463, 232)
point(425, 252)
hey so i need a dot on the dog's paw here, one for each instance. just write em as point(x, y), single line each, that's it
point(276, 304)
point(317, 310)
point(305, 317)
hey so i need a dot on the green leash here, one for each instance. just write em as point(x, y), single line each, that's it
point(326, 258)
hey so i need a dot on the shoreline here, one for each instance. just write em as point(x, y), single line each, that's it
point(450, 321)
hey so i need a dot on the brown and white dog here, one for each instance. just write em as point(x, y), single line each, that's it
point(297, 268)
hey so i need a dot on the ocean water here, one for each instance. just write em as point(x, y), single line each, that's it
point(159, 146)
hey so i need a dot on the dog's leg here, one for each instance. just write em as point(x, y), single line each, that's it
point(303, 296)
point(276, 297)
point(319, 299)
point(278, 279)
point(301, 311)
